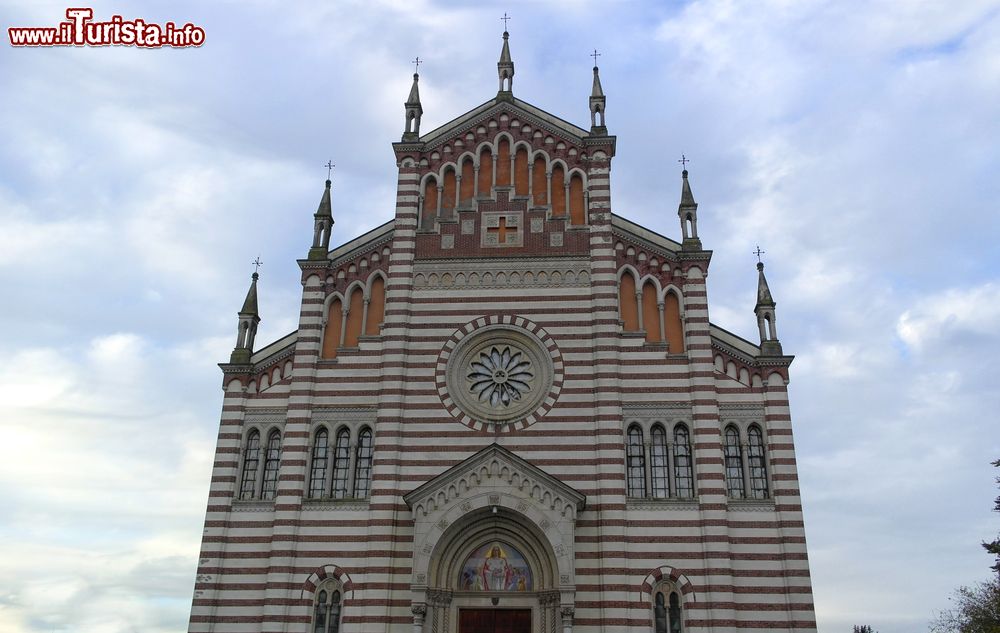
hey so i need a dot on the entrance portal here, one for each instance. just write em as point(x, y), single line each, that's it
point(494, 621)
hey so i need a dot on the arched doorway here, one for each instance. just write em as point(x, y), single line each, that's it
point(499, 517)
point(493, 572)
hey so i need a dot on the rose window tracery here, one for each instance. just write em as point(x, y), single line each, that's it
point(501, 375)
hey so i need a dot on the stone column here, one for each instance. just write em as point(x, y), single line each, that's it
point(567, 619)
point(419, 614)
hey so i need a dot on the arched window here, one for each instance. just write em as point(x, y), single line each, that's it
point(558, 188)
point(503, 162)
point(667, 611)
point(317, 472)
point(430, 207)
point(363, 465)
point(755, 459)
point(628, 309)
point(658, 465)
point(326, 618)
point(251, 461)
point(675, 613)
point(521, 175)
point(683, 471)
point(341, 463)
point(673, 330)
point(468, 189)
point(660, 613)
point(650, 313)
point(635, 463)
point(486, 173)
point(577, 208)
point(539, 183)
point(734, 464)
point(334, 324)
point(376, 307)
point(449, 193)
point(272, 460)
point(355, 314)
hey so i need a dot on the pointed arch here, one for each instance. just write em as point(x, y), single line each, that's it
point(341, 462)
point(683, 464)
point(485, 184)
point(628, 309)
point(659, 462)
point(651, 312)
point(522, 170)
point(577, 203)
point(376, 304)
point(334, 325)
point(355, 315)
point(503, 161)
point(539, 182)
point(558, 188)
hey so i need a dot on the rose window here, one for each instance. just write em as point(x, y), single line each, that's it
point(500, 376)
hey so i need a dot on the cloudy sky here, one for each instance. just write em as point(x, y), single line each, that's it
point(856, 142)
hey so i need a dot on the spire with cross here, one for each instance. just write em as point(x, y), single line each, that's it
point(758, 253)
point(505, 19)
point(256, 265)
point(416, 64)
point(598, 102)
point(684, 160)
point(329, 169)
point(595, 55)
point(505, 67)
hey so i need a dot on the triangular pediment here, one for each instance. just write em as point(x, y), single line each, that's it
point(483, 469)
point(514, 108)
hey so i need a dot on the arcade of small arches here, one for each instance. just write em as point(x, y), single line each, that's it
point(644, 306)
point(545, 181)
point(359, 311)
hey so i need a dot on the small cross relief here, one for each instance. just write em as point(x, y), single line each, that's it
point(502, 229)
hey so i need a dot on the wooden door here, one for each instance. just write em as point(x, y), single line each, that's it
point(494, 621)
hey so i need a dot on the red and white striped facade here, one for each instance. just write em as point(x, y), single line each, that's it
point(552, 482)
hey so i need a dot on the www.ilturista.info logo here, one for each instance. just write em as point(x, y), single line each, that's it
point(79, 29)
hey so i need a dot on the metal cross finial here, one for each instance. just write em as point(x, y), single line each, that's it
point(329, 169)
point(505, 18)
point(256, 264)
point(416, 64)
point(758, 253)
point(684, 161)
point(595, 55)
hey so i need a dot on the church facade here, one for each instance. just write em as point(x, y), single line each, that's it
point(505, 410)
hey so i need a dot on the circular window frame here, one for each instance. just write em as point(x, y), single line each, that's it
point(465, 346)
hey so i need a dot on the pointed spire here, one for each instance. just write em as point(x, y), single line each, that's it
point(687, 211)
point(764, 298)
point(687, 198)
point(247, 328)
point(322, 224)
point(413, 108)
point(250, 303)
point(598, 102)
point(505, 68)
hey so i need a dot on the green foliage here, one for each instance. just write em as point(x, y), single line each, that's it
point(864, 628)
point(993, 547)
point(975, 609)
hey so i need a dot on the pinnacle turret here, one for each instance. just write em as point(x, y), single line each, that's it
point(687, 211)
point(505, 68)
point(413, 109)
point(322, 225)
point(247, 329)
point(598, 102)
point(766, 319)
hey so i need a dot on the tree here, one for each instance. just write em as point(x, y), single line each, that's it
point(994, 546)
point(864, 628)
point(976, 608)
